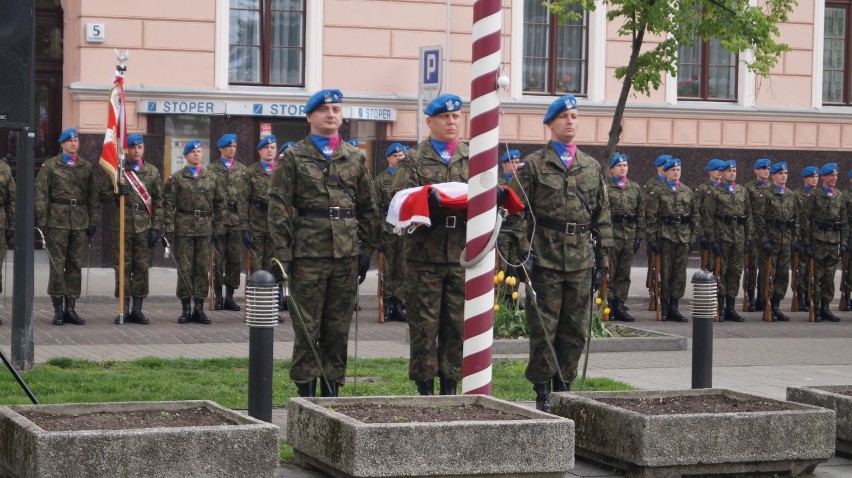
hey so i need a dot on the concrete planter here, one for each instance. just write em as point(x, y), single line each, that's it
point(541, 446)
point(785, 442)
point(832, 398)
point(247, 449)
point(654, 342)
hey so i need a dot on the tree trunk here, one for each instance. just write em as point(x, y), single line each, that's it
point(627, 83)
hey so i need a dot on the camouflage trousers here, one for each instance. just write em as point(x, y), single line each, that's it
point(137, 261)
point(192, 254)
point(2, 255)
point(781, 257)
point(509, 247)
point(262, 252)
point(825, 265)
point(394, 265)
point(435, 314)
point(673, 257)
point(620, 262)
point(324, 290)
point(67, 249)
point(730, 268)
point(564, 300)
point(228, 260)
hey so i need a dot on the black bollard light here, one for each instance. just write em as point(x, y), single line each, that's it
point(261, 317)
point(704, 304)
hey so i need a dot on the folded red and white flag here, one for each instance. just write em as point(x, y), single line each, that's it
point(410, 207)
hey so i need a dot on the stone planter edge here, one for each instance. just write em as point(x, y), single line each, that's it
point(659, 342)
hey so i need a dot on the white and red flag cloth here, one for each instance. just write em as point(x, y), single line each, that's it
point(115, 140)
point(410, 207)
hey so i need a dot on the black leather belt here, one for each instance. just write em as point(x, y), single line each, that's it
point(68, 202)
point(137, 207)
point(328, 213)
point(791, 223)
point(731, 219)
point(564, 227)
point(829, 226)
point(232, 205)
point(259, 203)
point(685, 219)
point(196, 213)
point(619, 217)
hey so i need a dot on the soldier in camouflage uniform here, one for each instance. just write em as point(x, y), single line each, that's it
point(672, 224)
point(512, 242)
point(391, 244)
point(7, 206)
point(729, 226)
point(566, 196)
point(324, 223)
point(143, 224)
point(848, 196)
point(777, 230)
point(434, 278)
point(757, 190)
point(810, 180)
point(193, 211)
point(232, 177)
point(627, 206)
point(67, 211)
point(824, 236)
point(703, 191)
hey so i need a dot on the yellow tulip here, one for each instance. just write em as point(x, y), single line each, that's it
point(598, 301)
point(606, 311)
point(496, 307)
point(496, 280)
point(514, 296)
point(500, 276)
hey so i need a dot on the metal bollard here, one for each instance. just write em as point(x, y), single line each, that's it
point(261, 317)
point(704, 304)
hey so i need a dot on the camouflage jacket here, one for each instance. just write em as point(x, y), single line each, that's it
point(651, 185)
point(560, 199)
point(184, 195)
point(257, 198)
point(58, 183)
point(7, 197)
point(826, 218)
point(728, 216)
point(437, 244)
point(672, 215)
point(627, 207)
point(514, 224)
point(702, 192)
point(757, 194)
point(136, 218)
point(383, 184)
point(234, 185)
point(778, 221)
point(305, 185)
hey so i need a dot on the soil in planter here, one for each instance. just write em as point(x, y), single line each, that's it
point(373, 413)
point(712, 403)
point(185, 417)
point(846, 392)
point(619, 331)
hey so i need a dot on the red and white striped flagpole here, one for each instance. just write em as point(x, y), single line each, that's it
point(481, 206)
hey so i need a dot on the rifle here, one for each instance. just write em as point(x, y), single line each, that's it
point(810, 279)
point(717, 269)
point(211, 302)
point(248, 275)
point(767, 282)
point(657, 287)
point(649, 281)
point(746, 258)
point(794, 307)
point(602, 293)
point(705, 260)
point(381, 290)
point(844, 293)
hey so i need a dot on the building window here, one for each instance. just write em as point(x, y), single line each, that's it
point(267, 42)
point(706, 71)
point(555, 56)
point(835, 68)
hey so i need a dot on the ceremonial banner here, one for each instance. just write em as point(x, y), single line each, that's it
point(115, 137)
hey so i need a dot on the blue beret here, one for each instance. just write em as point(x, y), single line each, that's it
point(266, 142)
point(394, 148)
point(322, 97)
point(850, 174)
point(671, 163)
point(809, 171)
point(511, 154)
point(567, 102)
point(191, 145)
point(354, 142)
point(226, 140)
point(726, 165)
point(778, 167)
point(662, 159)
point(762, 163)
point(713, 164)
point(134, 139)
point(285, 146)
point(442, 104)
point(617, 158)
point(69, 133)
point(828, 168)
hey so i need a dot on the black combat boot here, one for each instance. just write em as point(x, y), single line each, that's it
point(760, 302)
point(126, 308)
point(330, 390)
point(751, 305)
point(619, 312)
point(217, 292)
point(71, 314)
point(731, 314)
point(229, 299)
point(136, 314)
point(559, 385)
point(817, 310)
point(776, 311)
point(186, 311)
point(426, 387)
point(826, 314)
point(664, 308)
point(542, 396)
point(198, 314)
point(282, 301)
point(674, 314)
point(849, 303)
point(308, 389)
point(58, 311)
point(387, 309)
point(720, 308)
point(400, 310)
point(448, 387)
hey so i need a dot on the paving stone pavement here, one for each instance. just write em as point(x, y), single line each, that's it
point(754, 356)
